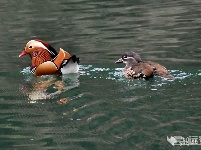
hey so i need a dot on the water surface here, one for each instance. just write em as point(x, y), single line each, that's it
point(102, 109)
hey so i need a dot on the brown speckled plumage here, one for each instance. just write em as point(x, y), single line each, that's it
point(136, 68)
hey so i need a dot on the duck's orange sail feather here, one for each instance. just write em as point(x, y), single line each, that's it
point(60, 57)
point(42, 64)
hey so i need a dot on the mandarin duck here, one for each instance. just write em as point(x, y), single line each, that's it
point(45, 59)
point(136, 68)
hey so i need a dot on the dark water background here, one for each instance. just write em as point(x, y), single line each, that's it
point(103, 110)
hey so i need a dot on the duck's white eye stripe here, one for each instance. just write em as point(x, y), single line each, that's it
point(38, 44)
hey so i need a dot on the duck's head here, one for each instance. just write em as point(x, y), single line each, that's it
point(36, 44)
point(129, 58)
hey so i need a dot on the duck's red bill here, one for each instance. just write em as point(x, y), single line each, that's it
point(23, 53)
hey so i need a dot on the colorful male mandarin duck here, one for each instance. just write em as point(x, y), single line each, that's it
point(136, 68)
point(45, 59)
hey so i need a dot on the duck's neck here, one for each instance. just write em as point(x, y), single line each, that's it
point(130, 63)
point(39, 57)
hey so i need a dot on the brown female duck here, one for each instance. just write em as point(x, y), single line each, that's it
point(136, 68)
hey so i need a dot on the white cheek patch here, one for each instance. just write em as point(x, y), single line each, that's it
point(38, 44)
point(35, 43)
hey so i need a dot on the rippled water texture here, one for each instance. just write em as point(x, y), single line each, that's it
point(99, 108)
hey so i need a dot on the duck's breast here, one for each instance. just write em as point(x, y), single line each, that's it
point(46, 68)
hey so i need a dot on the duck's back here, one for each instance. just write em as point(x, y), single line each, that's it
point(145, 69)
point(160, 70)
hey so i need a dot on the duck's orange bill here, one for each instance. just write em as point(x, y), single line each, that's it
point(23, 53)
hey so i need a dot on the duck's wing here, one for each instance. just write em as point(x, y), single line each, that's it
point(47, 66)
point(139, 70)
point(66, 63)
point(63, 55)
point(146, 71)
point(160, 70)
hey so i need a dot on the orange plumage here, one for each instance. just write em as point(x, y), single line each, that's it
point(45, 59)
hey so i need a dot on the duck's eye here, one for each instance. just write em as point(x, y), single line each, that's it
point(124, 56)
point(30, 46)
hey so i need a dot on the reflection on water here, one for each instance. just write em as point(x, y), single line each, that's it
point(47, 87)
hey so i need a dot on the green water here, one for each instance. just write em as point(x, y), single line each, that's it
point(103, 110)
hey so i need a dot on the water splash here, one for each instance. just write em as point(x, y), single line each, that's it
point(26, 71)
point(116, 73)
point(71, 81)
